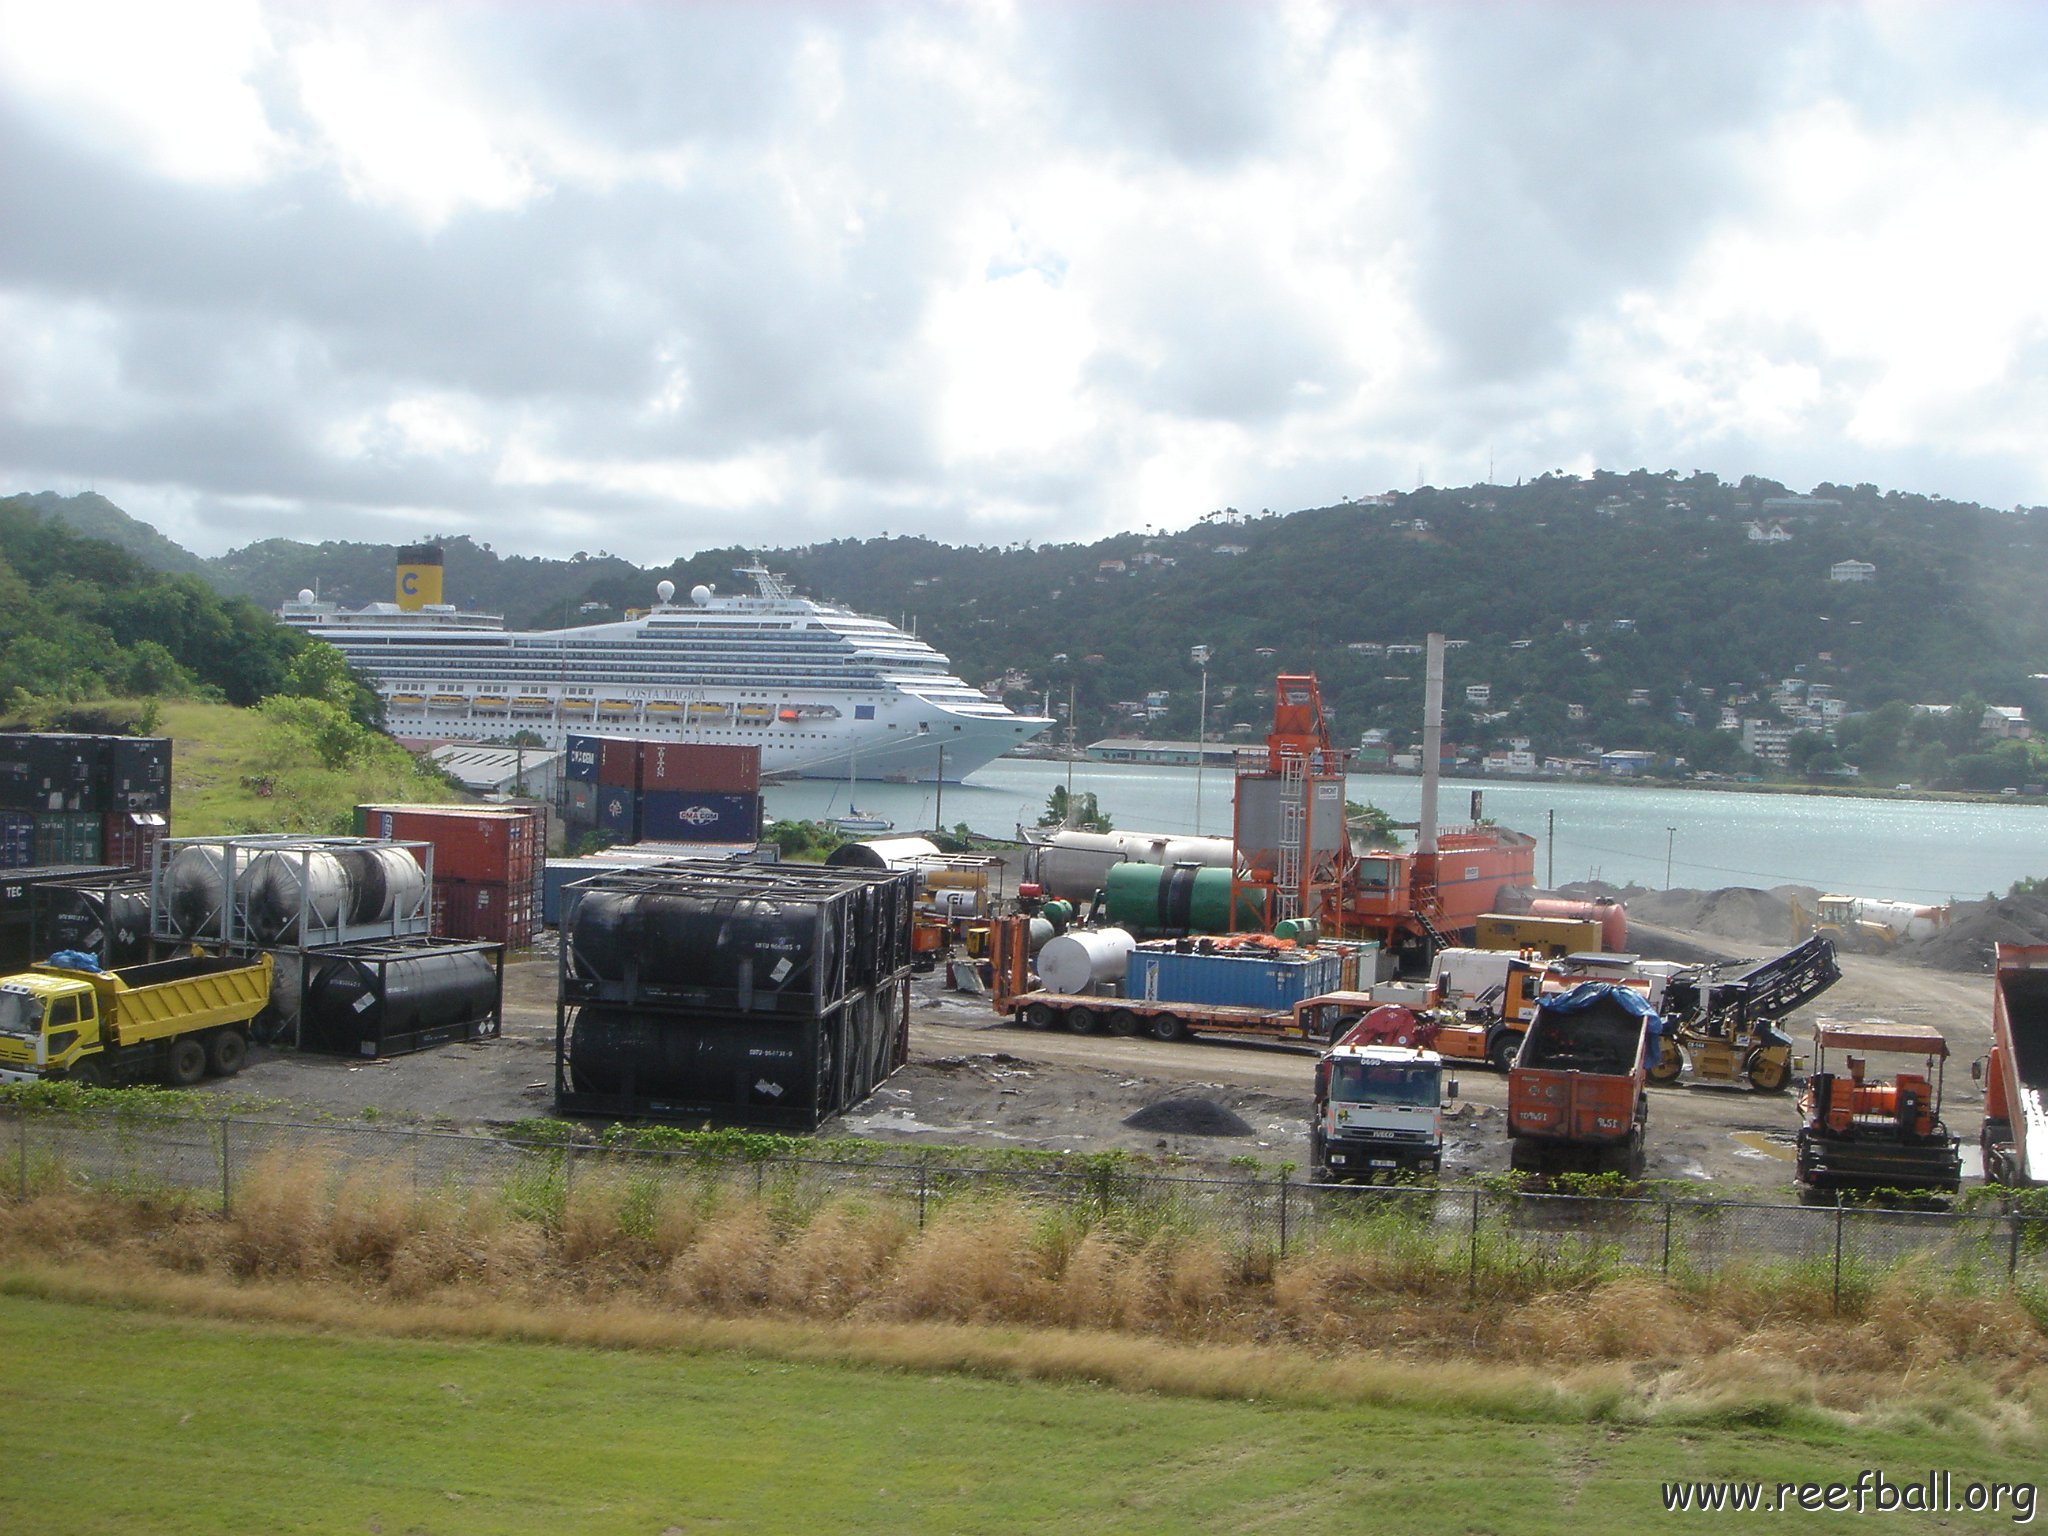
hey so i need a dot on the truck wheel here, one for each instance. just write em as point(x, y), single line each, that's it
point(1040, 1016)
point(89, 1073)
point(226, 1052)
point(1122, 1021)
point(1083, 1021)
point(1501, 1049)
point(185, 1061)
point(1170, 1026)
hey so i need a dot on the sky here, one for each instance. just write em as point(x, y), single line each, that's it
point(655, 278)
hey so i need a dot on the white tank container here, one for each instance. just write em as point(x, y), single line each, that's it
point(1085, 960)
point(1073, 865)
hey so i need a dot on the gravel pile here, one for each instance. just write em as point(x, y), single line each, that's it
point(1966, 944)
point(1188, 1117)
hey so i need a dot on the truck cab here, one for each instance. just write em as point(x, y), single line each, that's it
point(47, 1025)
point(1379, 1111)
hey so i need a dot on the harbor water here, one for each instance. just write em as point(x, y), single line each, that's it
point(1919, 850)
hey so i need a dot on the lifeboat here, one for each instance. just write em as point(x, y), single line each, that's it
point(617, 707)
point(703, 711)
point(758, 714)
point(491, 701)
point(408, 700)
point(532, 704)
point(449, 701)
point(575, 706)
point(663, 707)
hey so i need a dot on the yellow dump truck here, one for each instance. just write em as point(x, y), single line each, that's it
point(171, 1021)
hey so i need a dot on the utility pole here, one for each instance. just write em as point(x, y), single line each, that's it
point(1550, 854)
point(1200, 656)
point(1670, 837)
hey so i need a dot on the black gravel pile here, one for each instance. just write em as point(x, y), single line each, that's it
point(1188, 1117)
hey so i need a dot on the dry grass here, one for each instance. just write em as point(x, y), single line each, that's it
point(619, 1258)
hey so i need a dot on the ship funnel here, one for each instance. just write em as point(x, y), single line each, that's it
point(419, 577)
point(1432, 742)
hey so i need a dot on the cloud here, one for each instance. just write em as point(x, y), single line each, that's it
point(640, 275)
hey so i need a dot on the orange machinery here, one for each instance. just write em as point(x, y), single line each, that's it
point(1860, 1133)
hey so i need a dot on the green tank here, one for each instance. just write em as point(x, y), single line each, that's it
point(1183, 898)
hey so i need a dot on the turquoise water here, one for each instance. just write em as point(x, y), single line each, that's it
point(1908, 849)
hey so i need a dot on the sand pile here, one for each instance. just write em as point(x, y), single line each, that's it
point(1742, 913)
point(1966, 944)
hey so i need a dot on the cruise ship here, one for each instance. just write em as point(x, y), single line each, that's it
point(821, 690)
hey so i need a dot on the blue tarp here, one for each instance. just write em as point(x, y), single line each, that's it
point(75, 960)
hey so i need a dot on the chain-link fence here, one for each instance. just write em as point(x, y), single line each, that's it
point(1486, 1237)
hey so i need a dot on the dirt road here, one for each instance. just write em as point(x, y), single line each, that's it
point(975, 1080)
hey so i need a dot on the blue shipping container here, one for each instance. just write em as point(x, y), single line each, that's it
point(582, 759)
point(698, 816)
point(618, 812)
point(1264, 979)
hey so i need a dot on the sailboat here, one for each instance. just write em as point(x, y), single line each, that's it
point(856, 819)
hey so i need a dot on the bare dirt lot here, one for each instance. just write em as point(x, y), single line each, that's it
point(975, 1080)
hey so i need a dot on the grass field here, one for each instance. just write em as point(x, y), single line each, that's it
point(131, 1420)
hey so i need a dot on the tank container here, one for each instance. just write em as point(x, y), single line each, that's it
point(384, 999)
point(1085, 960)
point(1182, 898)
point(107, 918)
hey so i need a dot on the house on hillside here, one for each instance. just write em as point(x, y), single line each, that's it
point(1852, 570)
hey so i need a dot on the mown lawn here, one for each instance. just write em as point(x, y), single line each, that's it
point(133, 1422)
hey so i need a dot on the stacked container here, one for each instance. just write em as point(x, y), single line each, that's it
point(662, 791)
point(105, 916)
point(770, 995)
point(18, 889)
point(68, 799)
point(488, 861)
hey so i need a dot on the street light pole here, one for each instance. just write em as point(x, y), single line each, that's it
point(1670, 837)
point(1200, 656)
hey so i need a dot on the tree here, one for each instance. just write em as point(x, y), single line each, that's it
point(1080, 812)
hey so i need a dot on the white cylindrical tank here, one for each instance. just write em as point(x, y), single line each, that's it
point(1085, 959)
point(1073, 865)
point(282, 886)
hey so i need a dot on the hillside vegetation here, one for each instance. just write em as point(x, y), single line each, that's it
point(1612, 611)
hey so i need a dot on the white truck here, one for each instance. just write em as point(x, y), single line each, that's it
point(1380, 1097)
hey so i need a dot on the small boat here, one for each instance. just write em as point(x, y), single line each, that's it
point(575, 706)
point(492, 701)
point(408, 700)
point(856, 819)
point(617, 707)
point(787, 716)
point(449, 701)
point(760, 713)
point(532, 704)
point(663, 707)
point(703, 711)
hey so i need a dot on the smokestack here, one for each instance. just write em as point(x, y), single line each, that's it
point(419, 576)
point(1432, 742)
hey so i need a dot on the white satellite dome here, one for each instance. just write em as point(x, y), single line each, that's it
point(305, 594)
point(701, 595)
point(665, 590)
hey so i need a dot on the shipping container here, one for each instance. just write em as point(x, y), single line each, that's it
point(1251, 976)
point(129, 838)
point(500, 912)
point(695, 816)
point(17, 839)
point(692, 765)
point(392, 996)
point(579, 806)
point(69, 837)
point(580, 758)
point(490, 844)
point(618, 762)
point(53, 773)
point(139, 774)
point(618, 812)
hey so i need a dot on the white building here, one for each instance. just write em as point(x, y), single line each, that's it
point(1852, 570)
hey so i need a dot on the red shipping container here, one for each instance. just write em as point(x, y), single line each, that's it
point(484, 843)
point(618, 762)
point(501, 913)
point(717, 769)
point(129, 838)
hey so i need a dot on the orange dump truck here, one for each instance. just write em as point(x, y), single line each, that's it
point(2015, 1135)
point(1576, 1091)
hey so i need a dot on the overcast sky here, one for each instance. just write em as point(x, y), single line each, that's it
point(652, 278)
